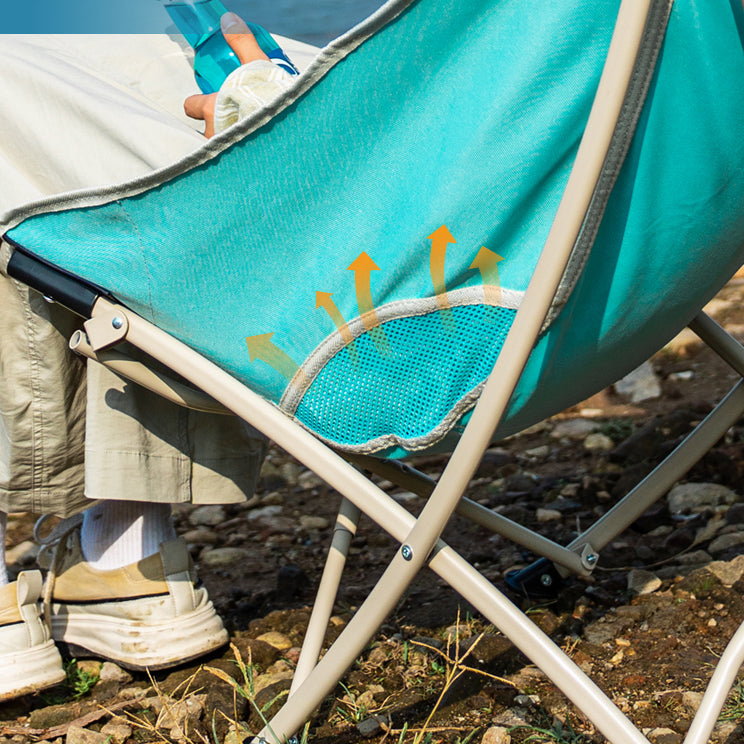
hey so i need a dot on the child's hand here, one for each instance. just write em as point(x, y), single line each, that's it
point(244, 44)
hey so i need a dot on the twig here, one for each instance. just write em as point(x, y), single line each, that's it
point(61, 730)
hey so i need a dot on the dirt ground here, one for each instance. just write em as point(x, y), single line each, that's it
point(648, 625)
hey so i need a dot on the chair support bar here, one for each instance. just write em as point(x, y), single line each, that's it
point(58, 286)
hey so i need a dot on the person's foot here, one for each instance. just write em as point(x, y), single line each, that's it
point(29, 660)
point(147, 615)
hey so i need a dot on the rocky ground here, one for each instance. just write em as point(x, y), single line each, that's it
point(648, 625)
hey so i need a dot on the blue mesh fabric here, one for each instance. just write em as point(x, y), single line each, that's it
point(401, 396)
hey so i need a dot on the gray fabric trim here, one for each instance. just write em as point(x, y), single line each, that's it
point(334, 343)
point(635, 99)
point(415, 444)
point(326, 60)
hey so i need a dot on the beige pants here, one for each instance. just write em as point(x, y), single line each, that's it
point(84, 112)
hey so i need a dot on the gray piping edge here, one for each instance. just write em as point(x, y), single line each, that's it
point(334, 343)
point(635, 99)
point(323, 63)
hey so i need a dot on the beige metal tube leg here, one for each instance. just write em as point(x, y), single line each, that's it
point(665, 475)
point(344, 531)
point(494, 605)
point(717, 691)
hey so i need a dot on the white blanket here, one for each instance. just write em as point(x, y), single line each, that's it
point(82, 112)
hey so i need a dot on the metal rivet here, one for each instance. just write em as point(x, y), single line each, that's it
point(407, 552)
point(546, 580)
point(117, 322)
point(592, 558)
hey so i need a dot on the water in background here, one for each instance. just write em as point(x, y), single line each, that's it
point(314, 21)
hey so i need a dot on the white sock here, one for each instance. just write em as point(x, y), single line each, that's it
point(117, 533)
point(3, 565)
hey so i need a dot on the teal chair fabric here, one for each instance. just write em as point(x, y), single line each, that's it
point(359, 258)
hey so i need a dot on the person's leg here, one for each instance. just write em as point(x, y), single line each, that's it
point(109, 134)
point(117, 533)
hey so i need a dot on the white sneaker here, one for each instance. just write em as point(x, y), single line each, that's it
point(147, 615)
point(29, 660)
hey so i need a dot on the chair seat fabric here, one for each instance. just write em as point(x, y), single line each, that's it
point(357, 253)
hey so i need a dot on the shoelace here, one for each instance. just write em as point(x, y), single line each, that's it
point(50, 556)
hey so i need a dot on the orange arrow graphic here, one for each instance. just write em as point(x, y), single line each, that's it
point(487, 262)
point(440, 238)
point(323, 299)
point(363, 266)
point(263, 348)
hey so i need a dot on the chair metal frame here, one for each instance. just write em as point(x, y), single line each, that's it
point(420, 538)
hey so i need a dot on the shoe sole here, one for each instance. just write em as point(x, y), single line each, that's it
point(138, 645)
point(29, 671)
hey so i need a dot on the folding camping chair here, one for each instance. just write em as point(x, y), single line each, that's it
point(546, 193)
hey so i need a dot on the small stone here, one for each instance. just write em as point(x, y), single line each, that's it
point(279, 667)
point(406, 497)
point(538, 453)
point(661, 531)
point(370, 726)
point(235, 735)
point(89, 666)
point(724, 731)
point(201, 536)
point(684, 340)
point(178, 713)
point(724, 542)
point(264, 681)
point(664, 736)
point(291, 472)
point(598, 443)
point(735, 514)
point(79, 735)
point(693, 498)
point(308, 480)
point(695, 558)
point(456, 633)
point(511, 717)
point(22, 554)
point(118, 731)
point(576, 429)
point(223, 556)
point(728, 572)
point(548, 515)
point(640, 384)
point(276, 639)
point(683, 376)
point(110, 672)
point(293, 654)
point(208, 515)
point(709, 529)
point(132, 693)
point(496, 735)
point(272, 499)
point(717, 306)
point(309, 522)
point(264, 513)
point(642, 582)
point(53, 715)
